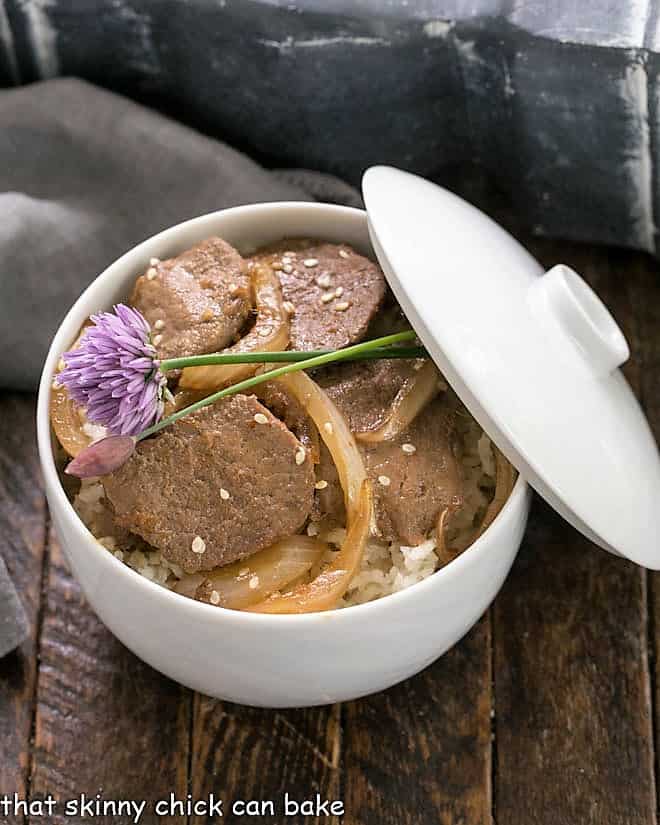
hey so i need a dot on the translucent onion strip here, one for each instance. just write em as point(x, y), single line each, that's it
point(270, 333)
point(251, 580)
point(66, 422)
point(411, 399)
point(329, 586)
point(334, 431)
point(324, 592)
point(505, 478)
point(65, 417)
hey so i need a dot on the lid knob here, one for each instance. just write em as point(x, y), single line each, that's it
point(584, 318)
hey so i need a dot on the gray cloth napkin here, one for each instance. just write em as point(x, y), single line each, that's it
point(84, 176)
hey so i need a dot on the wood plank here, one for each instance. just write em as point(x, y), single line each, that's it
point(105, 722)
point(22, 540)
point(572, 688)
point(242, 753)
point(645, 290)
point(420, 752)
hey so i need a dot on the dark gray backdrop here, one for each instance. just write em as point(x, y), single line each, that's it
point(555, 104)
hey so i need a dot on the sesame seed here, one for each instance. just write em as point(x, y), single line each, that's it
point(243, 571)
point(224, 495)
point(154, 261)
point(207, 315)
point(253, 583)
point(159, 324)
point(301, 455)
point(323, 280)
point(286, 259)
point(157, 339)
point(418, 365)
point(327, 297)
point(343, 254)
point(321, 485)
point(151, 273)
point(311, 262)
point(289, 307)
point(260, 418)
point(214, 598)
point(328, 428)
point(384, 480)
point(198, 545)
point(61, 364)
point(339, 291)
point(342, 306)
point(290, 253)
point(56, 384)
point(287, 268)
point(409, 448)
point(264, 332)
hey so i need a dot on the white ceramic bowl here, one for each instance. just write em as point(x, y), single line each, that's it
point(273, 661)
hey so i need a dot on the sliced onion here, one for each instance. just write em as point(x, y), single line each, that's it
point(445, 554)
point(505, 478)
point(329, 586)
point(65, 416)
point(324, 592)
point(66, 422)
point(411, 399)
point(334, 431)
point(251, 580)
point(269, 334)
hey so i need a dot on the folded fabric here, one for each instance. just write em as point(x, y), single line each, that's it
point(84, 176)
point(13, 621)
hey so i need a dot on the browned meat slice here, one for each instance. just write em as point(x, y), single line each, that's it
point(334, 292)
point(216, 486)
point(197, 302)
point(416, 475)
point(413, 488)
point(364, 390)
point(291, 412)
point(329, 500)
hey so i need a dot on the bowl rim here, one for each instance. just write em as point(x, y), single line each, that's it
point(58, 500)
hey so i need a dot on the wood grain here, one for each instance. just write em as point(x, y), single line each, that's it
point(105, 722)
point(246, 753)
point(645, 291)
point(420, 752)
point(573, 710)
point(22, 540)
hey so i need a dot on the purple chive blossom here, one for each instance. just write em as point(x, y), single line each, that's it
point(114, 373)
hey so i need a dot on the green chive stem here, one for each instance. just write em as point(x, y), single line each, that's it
point(331, 357)
point(285, 356)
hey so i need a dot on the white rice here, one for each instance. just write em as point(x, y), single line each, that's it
point(386, 567)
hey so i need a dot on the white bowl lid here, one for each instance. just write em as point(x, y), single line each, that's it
point(534, 356)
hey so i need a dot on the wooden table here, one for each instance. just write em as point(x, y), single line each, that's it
point(542, 715)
